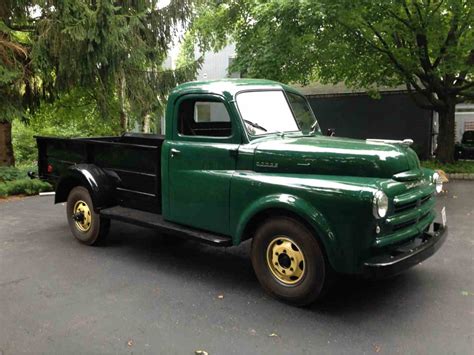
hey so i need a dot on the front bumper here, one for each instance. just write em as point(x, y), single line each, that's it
point(406, 255)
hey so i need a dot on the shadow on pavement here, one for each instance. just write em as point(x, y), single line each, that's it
point(231, 267)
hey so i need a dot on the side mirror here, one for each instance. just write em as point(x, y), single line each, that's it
point(331, 132)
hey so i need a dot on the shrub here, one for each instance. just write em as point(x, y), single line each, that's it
point(10, 173)
point(23, 186)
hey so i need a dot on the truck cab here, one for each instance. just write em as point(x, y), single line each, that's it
point(246, 159)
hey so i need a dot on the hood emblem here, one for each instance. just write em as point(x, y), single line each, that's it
point(411, 185)
point(266, 164)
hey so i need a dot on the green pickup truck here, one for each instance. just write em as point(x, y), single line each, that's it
point(245, 159)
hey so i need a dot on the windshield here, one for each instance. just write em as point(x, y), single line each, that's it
point(269, 112)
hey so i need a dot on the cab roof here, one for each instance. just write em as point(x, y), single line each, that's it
point(228, 87)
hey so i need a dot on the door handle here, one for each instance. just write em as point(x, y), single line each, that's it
point(174, 152)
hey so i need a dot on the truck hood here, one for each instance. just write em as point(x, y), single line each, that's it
point(334, 156)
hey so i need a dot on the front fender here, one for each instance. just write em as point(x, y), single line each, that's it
point(298, 206)
point(100, 184)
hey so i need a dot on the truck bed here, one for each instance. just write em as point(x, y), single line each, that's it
point(135, 158)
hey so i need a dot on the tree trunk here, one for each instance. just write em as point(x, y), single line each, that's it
point(445, 151)
point(123, 120)
point(146, 123)
point(6, 148)
point(121, 94)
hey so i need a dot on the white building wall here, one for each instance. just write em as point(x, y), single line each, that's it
point(215, 65)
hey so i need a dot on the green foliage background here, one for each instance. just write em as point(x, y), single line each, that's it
point(75, 114)
point(85, 67)
point(424, 45)
point(93, 68)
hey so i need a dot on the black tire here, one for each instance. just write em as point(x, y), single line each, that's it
point(309, 286)
point(97, 229)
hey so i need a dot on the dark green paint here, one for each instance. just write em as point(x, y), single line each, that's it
point(329, 182)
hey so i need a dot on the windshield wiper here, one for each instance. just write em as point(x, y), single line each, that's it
point(255, 125)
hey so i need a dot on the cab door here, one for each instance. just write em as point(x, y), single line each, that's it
point(202, 160)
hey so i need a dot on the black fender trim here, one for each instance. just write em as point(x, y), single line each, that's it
point(100, 183)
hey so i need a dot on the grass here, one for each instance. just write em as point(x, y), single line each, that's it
point(463, 166)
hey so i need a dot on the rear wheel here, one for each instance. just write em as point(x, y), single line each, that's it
point(86, 225)
point(289, 262)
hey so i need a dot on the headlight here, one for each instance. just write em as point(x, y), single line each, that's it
point(438, 182)
point(380, 204)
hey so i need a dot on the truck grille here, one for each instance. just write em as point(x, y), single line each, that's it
point(409, 223)
point(412, 213)
point(413, 204)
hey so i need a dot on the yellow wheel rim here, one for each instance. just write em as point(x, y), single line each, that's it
point(82, 216)
point(286, 260)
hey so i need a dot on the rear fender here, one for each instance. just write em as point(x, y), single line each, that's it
point(101, 184)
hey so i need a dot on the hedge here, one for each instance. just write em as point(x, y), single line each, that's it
point(23, 187)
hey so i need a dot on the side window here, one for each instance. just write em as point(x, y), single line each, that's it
point(203, 118)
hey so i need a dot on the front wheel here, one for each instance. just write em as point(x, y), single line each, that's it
point(289, 262)
point(86, 225)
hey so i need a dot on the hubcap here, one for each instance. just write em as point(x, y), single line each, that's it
point(82, 216)
point(285, 260)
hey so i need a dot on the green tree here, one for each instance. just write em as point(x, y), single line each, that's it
point(73, 114)
point(109, 51)
point(426, 45)
point(111, 46)
point(18, 85)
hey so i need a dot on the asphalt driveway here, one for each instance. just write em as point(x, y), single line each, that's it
point(147, 293)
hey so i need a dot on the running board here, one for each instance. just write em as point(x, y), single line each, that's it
point(156, 221)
